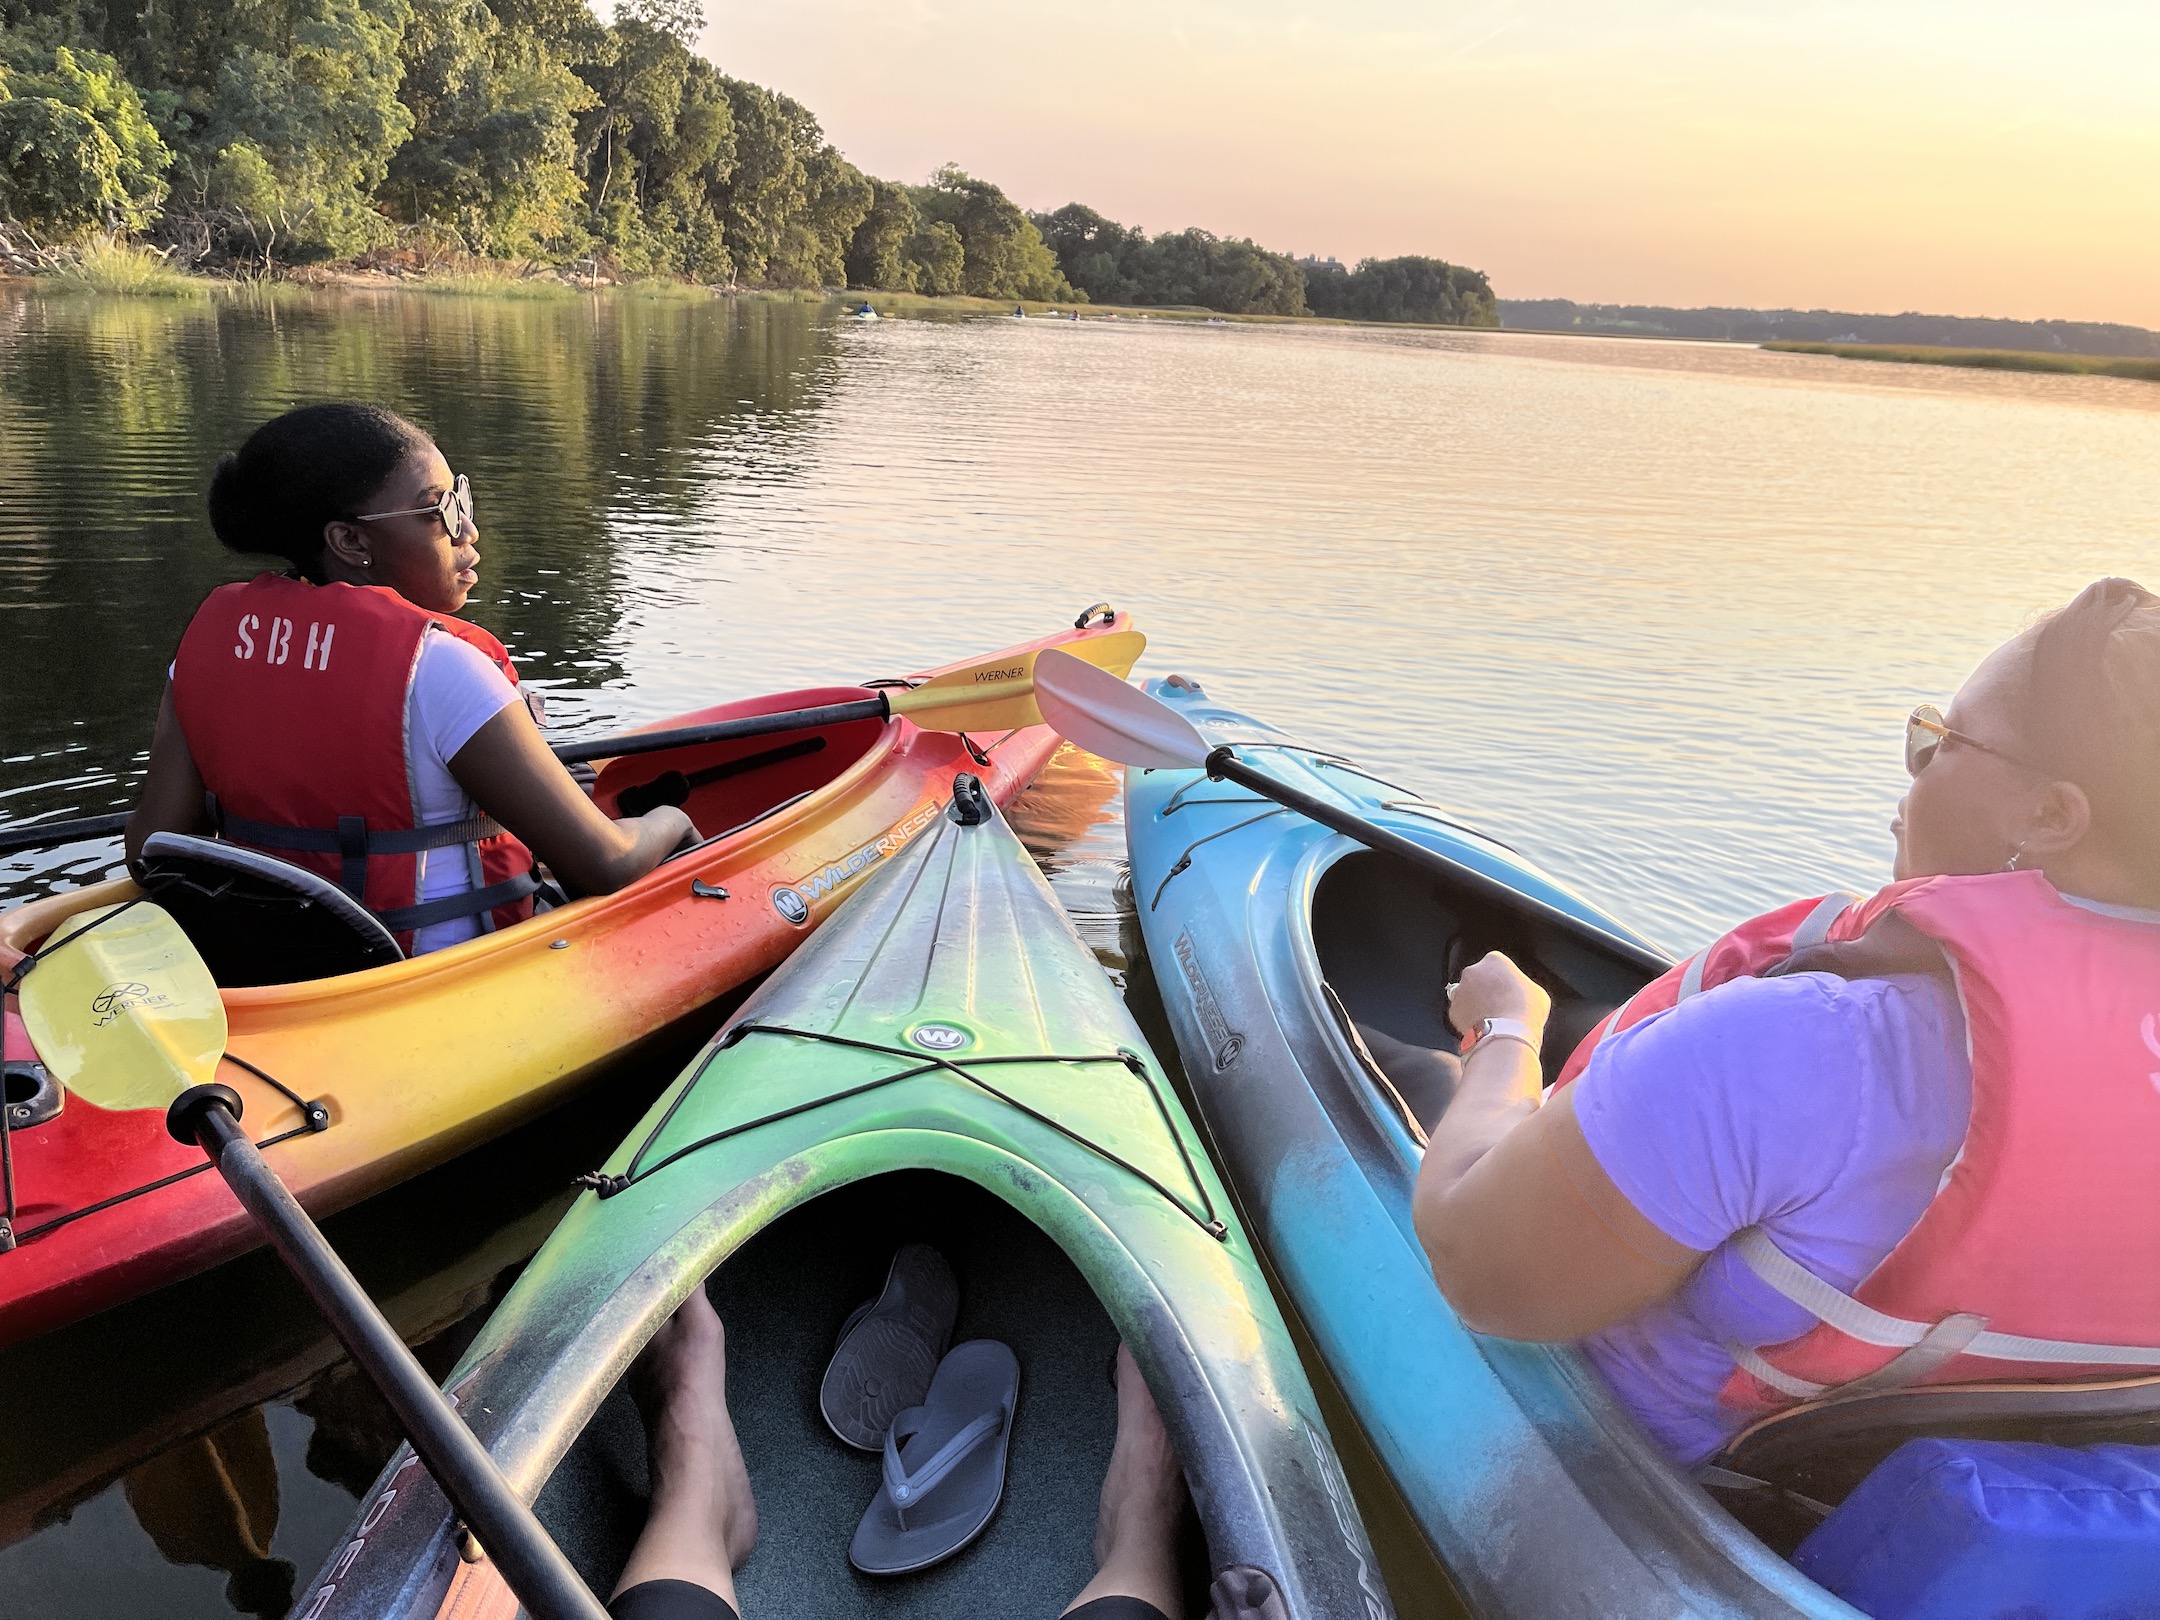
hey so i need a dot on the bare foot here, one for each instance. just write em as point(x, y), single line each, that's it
point(703, 1519)
point(1143, 1493)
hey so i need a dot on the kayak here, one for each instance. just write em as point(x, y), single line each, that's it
point(945, 1062)
point(1273, 939)
point(355, 1083)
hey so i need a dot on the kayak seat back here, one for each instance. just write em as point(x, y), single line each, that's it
point(259, 920)
point(1807, 1457)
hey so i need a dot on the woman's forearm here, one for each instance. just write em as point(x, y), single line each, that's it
point(1501, 1085)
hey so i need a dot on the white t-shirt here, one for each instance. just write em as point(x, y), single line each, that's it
point(456, 689)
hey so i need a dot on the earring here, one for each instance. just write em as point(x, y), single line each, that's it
point(2016, 855)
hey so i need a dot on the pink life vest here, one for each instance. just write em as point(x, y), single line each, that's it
point(2039, 1256)
point(292, 699)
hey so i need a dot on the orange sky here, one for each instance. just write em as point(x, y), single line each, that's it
point(1977, 157)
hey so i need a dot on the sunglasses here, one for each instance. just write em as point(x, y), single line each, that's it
point(455, 509)
point(1926, 732)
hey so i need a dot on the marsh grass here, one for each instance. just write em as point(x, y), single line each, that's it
point(1913, 354)
point(660, 290)
point(106, 265)
point(478, 280)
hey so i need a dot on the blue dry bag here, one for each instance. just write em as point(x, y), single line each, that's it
point(1960, 1529)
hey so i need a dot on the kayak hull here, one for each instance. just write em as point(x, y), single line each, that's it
point(416, 1062)
point(960, 937)
point(1524, 1478)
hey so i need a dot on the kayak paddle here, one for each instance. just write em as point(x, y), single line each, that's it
point(123, 1011)
point(1106, 716)
point(994, 695)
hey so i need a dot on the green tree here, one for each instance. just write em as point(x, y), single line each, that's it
point(1005, 256)
point(791, 206)
point(77, 148)
point(493, 143)
point(877, 253)
point(937, 258)
point(1113, 263)
point(1406, 289)
point(319, 102)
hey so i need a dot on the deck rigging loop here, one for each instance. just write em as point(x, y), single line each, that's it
point(314, 1116)
point(1205, 1217)
point(1184, 860)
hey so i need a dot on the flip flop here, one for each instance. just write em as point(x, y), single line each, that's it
point(944, 1464)
point(889, 1347)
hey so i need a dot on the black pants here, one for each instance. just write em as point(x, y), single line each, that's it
point(681, 1600)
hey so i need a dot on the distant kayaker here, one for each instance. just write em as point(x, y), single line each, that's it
point(703, 1520)
point(1944, 1101)
point(325, 713)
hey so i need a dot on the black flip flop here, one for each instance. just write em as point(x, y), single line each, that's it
point(889, 1348)
point(944, 1464)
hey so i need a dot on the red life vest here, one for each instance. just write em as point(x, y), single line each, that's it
point(292, 699)
point(2039, 1256)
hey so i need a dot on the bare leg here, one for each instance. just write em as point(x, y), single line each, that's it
point(1143, 1492)
point(703, 1522)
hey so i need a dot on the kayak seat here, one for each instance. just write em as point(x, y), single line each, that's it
point(259, 920)
point(1812, 1457)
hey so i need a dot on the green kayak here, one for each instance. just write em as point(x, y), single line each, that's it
point(944, 1061)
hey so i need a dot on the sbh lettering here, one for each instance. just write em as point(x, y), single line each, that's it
point(277, 647)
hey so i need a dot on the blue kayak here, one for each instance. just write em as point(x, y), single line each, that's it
point(1275, 943)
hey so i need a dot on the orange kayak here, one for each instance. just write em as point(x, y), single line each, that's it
point(356, 1083)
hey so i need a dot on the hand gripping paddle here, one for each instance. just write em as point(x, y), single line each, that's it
point(125, 1014)
point(1106, 716)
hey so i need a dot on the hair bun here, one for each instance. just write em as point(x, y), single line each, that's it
point(302, 471)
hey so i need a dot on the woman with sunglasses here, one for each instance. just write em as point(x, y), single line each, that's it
point(338, 714)
point(1897, 1140)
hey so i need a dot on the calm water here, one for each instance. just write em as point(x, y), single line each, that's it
point(1650, 612)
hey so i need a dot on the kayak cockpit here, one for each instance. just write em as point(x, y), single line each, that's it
point(1390, 937)
point(258, 920)
point(783, 1298)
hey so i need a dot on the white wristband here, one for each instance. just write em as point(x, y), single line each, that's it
point(1504, 1029)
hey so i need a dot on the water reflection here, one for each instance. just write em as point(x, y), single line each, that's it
point(566, 414)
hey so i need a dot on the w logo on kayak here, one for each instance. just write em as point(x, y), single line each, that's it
point(1223, 1041)
point(2151, 1031)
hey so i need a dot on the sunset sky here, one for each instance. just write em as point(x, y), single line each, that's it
point(1976, 157)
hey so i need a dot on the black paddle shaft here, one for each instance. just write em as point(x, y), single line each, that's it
point(1224, 766)
point(532, 1564)
point(750, 725)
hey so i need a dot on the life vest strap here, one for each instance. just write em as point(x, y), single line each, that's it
point(450, 907)
point(1870, 1326)
point(339, 841)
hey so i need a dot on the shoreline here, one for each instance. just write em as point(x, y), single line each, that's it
point(551, 285)
point(1913, 354)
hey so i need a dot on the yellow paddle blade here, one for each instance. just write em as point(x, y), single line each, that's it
point(124, 1013)
point(1000, 695)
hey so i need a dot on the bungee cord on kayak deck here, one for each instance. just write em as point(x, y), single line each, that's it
point(1207, 1220)
point(314, 1116)
point(1185, 860)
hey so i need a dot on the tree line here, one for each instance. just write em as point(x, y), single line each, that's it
point(291, 131)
